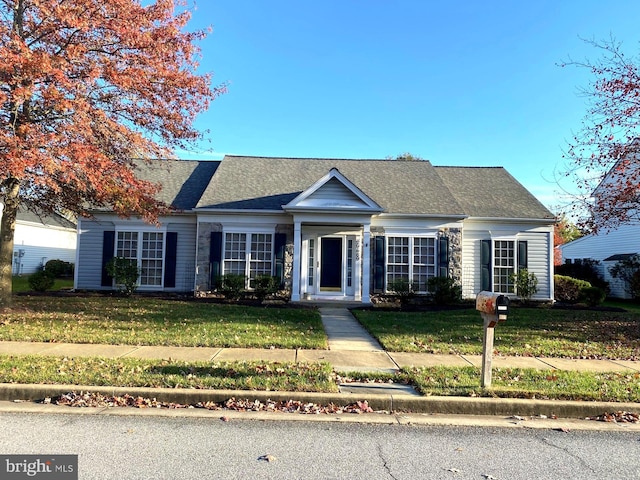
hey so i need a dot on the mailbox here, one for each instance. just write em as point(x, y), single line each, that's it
point(493, 304)
point(494, 308)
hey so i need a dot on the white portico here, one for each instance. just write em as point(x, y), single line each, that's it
point(332, 221)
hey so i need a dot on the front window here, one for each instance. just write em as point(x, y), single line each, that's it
point(503, 265)
point(411, 259)
point(147, 249)
point(248, 254)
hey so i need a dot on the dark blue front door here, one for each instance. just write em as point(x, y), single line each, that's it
point(331, 264)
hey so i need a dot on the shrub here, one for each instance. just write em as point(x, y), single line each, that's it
point(526, 284)
point(231, 285)
point(592, 296)
point(41, 281)
point(444, 290)
point(125, 272)
point(628, 270)
point(567, 289)
point(59, 268)
point(584, 269)
point(403, 289)
point(265, 285)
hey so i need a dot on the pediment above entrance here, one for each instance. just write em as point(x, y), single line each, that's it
point(333, 192)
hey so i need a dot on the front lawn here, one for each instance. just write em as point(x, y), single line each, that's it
point(154, 321)
point(20, 284)
point(543, 332)
point(133, 372)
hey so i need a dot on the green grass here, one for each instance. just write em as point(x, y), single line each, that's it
point(152, 321)
point(517, 383)
point(529, 383)
point(544, 332)
point(20, 284)
point(131, 372)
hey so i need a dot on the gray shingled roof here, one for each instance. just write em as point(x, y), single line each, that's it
point(50, 219)
point(406, 187)
point(491, 192)
point(268, 183)
point(183, 181)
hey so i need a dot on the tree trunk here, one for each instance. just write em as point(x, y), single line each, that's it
point(7, 229)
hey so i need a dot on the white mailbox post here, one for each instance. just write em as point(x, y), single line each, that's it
point(494, 308)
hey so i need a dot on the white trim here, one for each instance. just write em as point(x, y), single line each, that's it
point(334, 173)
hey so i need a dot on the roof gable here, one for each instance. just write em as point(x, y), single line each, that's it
point(333, 192)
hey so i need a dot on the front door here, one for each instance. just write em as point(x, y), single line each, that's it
point(331, 264)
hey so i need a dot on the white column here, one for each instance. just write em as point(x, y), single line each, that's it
point(297, 255)
point(366, 262)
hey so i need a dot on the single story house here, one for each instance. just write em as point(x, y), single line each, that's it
point(327, 228)
point(40, 238)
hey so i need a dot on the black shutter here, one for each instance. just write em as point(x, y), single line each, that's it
point(523, 254)
point(279, 243)
point(108, 245)
point(215, 258)
point(378, 263)
point(443, 257)
point(170, 253)
point(485, 265)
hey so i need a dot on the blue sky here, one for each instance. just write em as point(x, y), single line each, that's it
point(465, 83)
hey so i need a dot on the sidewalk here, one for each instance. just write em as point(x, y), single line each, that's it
point(351, 348)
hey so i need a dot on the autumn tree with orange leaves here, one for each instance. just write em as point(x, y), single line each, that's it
point(86, 86)
point(604, 155)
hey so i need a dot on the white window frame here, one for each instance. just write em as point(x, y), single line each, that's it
point(499, 272)
point(411, 265)
point(249, 260)
point(140, 232)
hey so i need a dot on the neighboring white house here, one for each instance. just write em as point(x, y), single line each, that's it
point(38, 239)
point(609, 246)
point(327, 228)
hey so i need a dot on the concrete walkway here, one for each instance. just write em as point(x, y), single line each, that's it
point(351, 348)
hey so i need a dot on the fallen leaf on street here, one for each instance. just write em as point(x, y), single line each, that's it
point(267, 458)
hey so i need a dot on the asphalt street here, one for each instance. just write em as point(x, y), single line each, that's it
point(155, 447)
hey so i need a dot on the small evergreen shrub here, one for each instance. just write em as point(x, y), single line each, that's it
point(125, 272)
point(403, 289)
point(444, 290)
point(628, 270)
point(41, 281)
point(567, 289)
point(231, 286)
point(584, 269)
point(526, 284)
point(592, 296)
point(59, 268)
point(264, 285)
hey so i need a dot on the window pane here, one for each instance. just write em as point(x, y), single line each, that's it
point(151, 259)
point(261, 255)
point(235, 246)
point(503, 266)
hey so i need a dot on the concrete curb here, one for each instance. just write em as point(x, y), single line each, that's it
point(378, 402)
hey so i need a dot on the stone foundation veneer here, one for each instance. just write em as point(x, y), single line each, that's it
point(288, 255)
point(455, 252)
